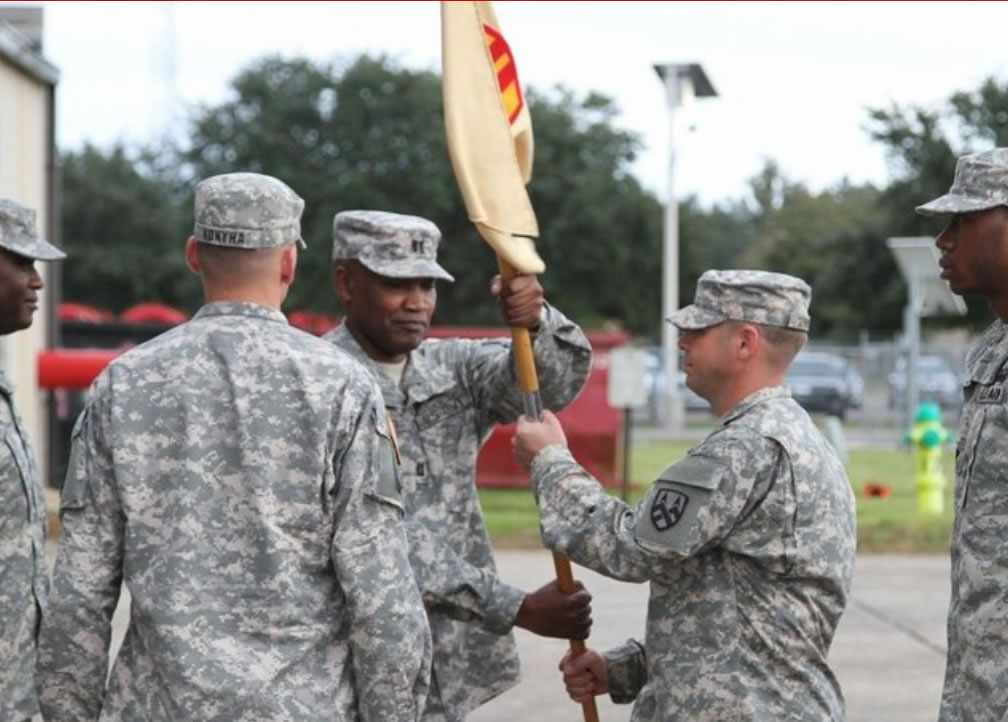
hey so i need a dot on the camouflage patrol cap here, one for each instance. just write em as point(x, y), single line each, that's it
point(764, 297)
point(389, 244)
point(980, 183)
point(18, 233)
point(247, 210)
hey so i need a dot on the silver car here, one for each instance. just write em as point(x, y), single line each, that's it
point(936, 381)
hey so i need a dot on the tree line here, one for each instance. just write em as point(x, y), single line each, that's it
point(367, 133)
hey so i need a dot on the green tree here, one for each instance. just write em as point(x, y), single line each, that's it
point(834, 240)
point(922, 144)
point(123, 226)
point(715, 237)
point(369, 134)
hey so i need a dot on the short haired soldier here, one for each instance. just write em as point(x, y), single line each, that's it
point(444, 397)
point(237, 476)
point(748, 541)
point(22, 506)
point(974, 260)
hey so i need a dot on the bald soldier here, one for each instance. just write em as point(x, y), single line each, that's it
point(445, 396)
point(22, 506)
point(747, 542)
point(237, 476)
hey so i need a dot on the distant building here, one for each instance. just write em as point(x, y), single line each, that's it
point(28, 176)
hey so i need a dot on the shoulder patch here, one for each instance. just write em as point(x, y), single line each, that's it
point(667, 508)
point(668, 515)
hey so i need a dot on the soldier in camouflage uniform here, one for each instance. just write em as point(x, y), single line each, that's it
point(22, 506)
point(444, 397)
point(237, 476)
point(748, 542)
point(974, 259)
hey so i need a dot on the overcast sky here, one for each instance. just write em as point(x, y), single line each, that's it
point(794, 79)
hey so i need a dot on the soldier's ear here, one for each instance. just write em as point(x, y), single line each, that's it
point(288, 264)
point(192, 256)
point(342, 282)
point(749, 342)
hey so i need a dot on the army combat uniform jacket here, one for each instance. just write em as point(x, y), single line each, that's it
point(976, 673)
point(748, 543)
point(237, 476)
point(452, 393)
point(22, 563)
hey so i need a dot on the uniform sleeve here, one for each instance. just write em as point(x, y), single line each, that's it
point(692, 506)
point(627, 671)
point(563, 361)
point(456, 588)
point(75, 631)
point(390, 638)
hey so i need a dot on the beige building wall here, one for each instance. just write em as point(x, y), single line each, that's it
point(24, 128)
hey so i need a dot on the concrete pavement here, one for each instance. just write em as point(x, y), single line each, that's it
point(888, 652)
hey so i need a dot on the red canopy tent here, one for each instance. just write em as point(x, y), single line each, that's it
point(312, 322)
point(153, 313)
point(69, 311)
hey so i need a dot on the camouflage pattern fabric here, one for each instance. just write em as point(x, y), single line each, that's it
point(19, 234)
point(452, 393)
point(389, 244)
point(980, 183)
point(764, 297)
point(627, 671)
point(247, 210)
point(237, 476)
point(748, 543)
point(976, 677)
point(22, 563)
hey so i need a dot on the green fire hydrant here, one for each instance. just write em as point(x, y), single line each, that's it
point(928, 436)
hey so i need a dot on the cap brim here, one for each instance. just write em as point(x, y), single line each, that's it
point(694, 318)
point(43, 251)
point(950, 204)
point(407, 269)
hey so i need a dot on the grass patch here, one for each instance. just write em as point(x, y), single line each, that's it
point(885, 525)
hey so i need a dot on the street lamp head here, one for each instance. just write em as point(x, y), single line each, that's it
point(691, 75)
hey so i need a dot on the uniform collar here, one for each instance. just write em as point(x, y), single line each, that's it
point(767, 393)
point(422, 378)
point(240, 308)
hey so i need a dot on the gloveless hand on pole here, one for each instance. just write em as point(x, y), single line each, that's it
point(489, 134)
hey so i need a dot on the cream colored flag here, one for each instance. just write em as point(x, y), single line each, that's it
point(489, 131)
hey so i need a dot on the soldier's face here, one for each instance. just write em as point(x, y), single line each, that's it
point(705, 358)
point(974, 252)
point(389, 316)
point(19, 287)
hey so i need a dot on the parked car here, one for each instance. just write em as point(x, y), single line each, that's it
point(657, 385)
point(826, 383)
point(936, 381)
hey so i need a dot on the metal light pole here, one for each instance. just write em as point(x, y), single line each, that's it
point(683, 83)
point(927, 295)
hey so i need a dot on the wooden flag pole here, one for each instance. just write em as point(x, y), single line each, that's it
point(489, 134)
point(528, 380)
